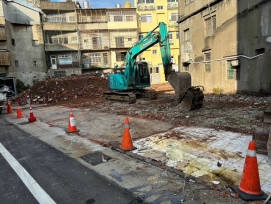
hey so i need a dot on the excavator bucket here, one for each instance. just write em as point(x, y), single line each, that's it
point(189, 97)
point(192, 99)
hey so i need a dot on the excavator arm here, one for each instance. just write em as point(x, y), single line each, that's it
point(189, 97)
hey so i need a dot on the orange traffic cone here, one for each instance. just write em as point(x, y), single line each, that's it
point(127, 143)
point(32, 118)
point(72, 125)
point(9, 108)
point(19, 112)
point(250, 187)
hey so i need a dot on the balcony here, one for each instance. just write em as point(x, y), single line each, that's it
point(172, 6)
point(59, 26)
point(92, 26)
point(146, 7)
point(61, 47)
point(57, 6)
point(4, 58)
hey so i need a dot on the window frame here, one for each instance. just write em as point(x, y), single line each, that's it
point(207, 65)
point(16, 63)
point(175, 15)
point(161, 7)
point(95, 58)
point(119, 42)
point(64, 57)
point(186, 35)
point(170, 35)
point(145, 1)
point(127, 17)
point(118, 20)
point(147, 18)
point(210, 25)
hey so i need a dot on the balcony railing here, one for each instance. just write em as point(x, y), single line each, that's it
point(61, 47)
point(172, 6)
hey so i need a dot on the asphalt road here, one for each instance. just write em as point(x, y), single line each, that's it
point(27, 163)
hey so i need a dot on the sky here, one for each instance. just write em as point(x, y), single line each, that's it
point(102, 3)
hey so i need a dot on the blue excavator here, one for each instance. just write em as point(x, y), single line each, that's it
point(129, 82)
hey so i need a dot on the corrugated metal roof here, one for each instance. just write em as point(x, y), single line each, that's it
point(26, 4)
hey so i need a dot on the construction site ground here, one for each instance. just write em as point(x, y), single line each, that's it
point(206, 146)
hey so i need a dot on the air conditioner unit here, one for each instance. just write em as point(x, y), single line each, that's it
point(171, 41)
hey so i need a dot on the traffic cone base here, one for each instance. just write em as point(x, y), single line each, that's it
point(248, 197)
point(127, 143)
point(250, 187)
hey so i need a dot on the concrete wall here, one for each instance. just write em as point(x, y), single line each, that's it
point(64, 72)
point(253, 31)
point(241, 28)
point(23, 54)
point(22, 26)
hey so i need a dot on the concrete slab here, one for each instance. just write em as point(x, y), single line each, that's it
point(202, 152)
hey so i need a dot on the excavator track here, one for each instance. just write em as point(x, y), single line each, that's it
point(128, 97)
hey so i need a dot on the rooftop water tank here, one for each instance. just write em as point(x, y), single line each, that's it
point(127, 5)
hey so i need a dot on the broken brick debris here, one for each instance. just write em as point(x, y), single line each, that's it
point(64, 90)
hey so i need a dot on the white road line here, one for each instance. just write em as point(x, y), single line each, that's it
point(31, 184)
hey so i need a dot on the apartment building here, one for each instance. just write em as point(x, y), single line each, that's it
point(21, 42)
point(150, 13)
point(226, 45)
point(105, 35)
point(61, 38)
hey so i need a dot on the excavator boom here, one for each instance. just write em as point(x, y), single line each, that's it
point(126, 86)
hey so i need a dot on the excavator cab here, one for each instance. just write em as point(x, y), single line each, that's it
point(142, 74)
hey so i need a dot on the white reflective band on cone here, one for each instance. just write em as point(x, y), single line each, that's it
point(72, 121)
point(126, 126)
point(251, 153)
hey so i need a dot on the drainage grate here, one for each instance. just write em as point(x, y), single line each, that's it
point(23, 123)
point(95, 158)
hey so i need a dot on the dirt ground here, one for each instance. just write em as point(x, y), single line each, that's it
point(238, 113)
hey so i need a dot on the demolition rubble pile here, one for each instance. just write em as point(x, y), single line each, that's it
point(64, 90)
